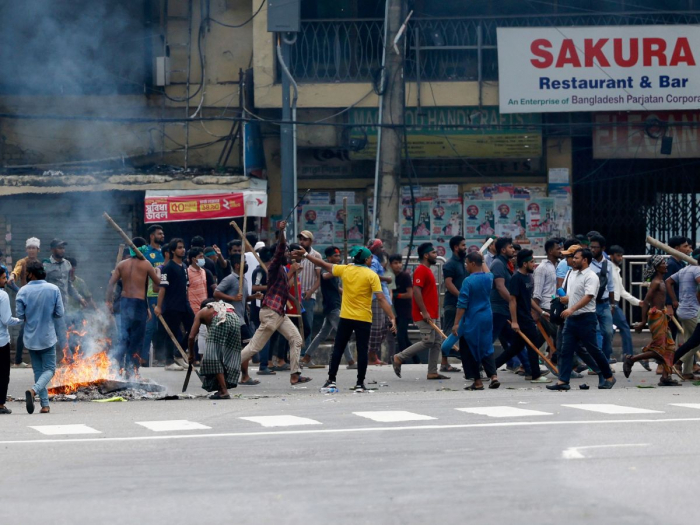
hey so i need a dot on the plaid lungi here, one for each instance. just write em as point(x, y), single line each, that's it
point(222, 354)
point(379, 329)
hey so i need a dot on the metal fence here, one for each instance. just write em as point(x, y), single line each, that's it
point(444, 49)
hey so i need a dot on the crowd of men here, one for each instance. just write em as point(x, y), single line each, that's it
point(257, 303)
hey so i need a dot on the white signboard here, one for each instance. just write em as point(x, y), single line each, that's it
point(604, 68)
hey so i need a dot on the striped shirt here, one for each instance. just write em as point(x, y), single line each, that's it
point(308, 273)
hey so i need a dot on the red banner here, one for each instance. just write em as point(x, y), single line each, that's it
point(193, 207)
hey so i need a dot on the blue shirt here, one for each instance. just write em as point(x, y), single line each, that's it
point(377, 268)
point(38, 304)
point(6, 318)
point(562, 269)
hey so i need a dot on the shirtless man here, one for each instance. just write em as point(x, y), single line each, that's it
point(134, 273)
point(662, 347)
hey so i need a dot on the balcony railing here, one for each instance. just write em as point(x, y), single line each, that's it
point(438, 49)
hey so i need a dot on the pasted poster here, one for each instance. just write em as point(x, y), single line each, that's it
point(541, 217)
point(447, 217)
point(510, 218)
point(423, 212)
point(478, 219)
point(355, 222)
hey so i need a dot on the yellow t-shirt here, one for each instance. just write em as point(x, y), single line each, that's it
point(359, 285)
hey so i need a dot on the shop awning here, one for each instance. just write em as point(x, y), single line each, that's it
point(177, 206)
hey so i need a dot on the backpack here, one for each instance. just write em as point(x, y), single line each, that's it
point(603, 278)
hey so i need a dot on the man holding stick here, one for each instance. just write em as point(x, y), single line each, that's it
point(425, 314)
point(272, 313)
point(360, 284)
point(134, 274)
point(521, 306)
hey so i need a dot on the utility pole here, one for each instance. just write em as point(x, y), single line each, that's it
point(391, 144)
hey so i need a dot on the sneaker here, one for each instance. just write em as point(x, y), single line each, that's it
point(360, 387)
point(329, 384)
point(352, 366)
point(542, 373)
point(575, 375)
point(181, 362)
point(542, 380)
point(174, 368)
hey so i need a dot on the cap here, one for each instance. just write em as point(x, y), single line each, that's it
point(55, 243)
point(376, 243)
point(258, 245)
point(572, 249)
point(33, 241)
point(306, 234)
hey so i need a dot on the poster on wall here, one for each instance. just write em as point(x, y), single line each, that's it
point(478, 219)
point(423, 212)
point(510, 218)
point(447, 217)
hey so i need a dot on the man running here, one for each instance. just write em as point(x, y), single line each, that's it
point(133, 307)
point(662, 347)
point(425, 314)
point(360, 285)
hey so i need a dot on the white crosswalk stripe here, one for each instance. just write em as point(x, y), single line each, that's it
point(393, 416)
point(613, 409)
point(64, 430)
point(281, 421)
point(686, 405)
point(172, 425)
point(503, 411)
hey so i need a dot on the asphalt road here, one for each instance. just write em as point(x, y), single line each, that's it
point(414, 451)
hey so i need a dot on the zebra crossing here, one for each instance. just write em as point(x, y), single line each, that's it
point(473, 415)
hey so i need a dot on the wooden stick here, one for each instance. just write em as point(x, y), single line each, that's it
point(345, 228)
point(671, 251)
point(243, 250)
point(120, 254)
point(544, 333)
point(538, 352)
point(175, 341)
point(678, 325)
point(485, 246)
point(124, 236)
point(247, 244)
point(437, 329)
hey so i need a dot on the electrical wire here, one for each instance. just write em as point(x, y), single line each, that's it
point(236, 26)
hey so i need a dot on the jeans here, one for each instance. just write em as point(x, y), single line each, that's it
point(4, 372)
point(330, 323)
point(59, 324)
point(346, 327)
point(153, 334)
point(134, 314)
point(44, 366)
point(620, 321)
point(605, 328)
point(309, 306)
point(580, 330)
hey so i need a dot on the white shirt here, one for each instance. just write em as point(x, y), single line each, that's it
point(252, 263)
point(620, 290)
point(579, 284)
point(6, 319)
point(545, 283)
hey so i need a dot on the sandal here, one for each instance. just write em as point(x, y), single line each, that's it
point(250, 382)
point(266, 372)
point(219, 396)
point(45, 410)
point(495, 384)
point(627, 366)
point(301, 379)
point(449, 368)
point(397, 367)
point(472, 387)
point(669, 382)
point(438, 378)
point(281, 368)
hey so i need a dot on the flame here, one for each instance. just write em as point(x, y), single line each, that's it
point(78, 369)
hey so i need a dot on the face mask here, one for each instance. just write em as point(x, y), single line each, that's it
point(200, 263)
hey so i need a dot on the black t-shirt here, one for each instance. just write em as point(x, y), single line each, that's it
point(173, 277)
point(259, 279)
point(521, 287)
point(499, 269)
point(210, 265)
point(330, 292)
point(455, 269)
point(403, 306)
point(211, 283)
